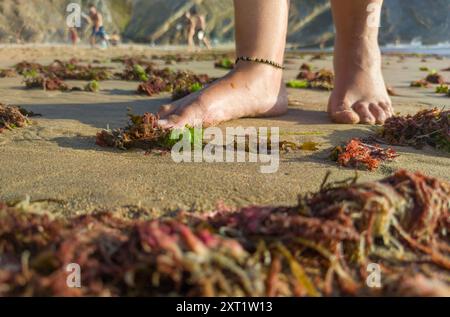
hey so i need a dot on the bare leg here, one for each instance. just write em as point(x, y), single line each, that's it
point(191, 34)
point(251, 89)
point(207, 42)
point(93, 41)
point(360, 92)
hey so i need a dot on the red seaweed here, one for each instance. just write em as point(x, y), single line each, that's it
point(358, 154)
point(427, 127)
point(322, 246)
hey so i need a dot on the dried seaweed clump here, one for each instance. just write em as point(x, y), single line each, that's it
point(322, 246)
point(435, 78)
point(330, 238)
point(153, 86)
point(142, 132)
point(7, 73)
point(12, 117)
point(322, 79)
point(427, 127)
point(71, 70)
point(422, 83)
point(443, 89)
point(33, 80)
point(358, 154)
point(155, 80)
point(432, 78)
point(92, 86)
point(185, 89)
point(119, 258)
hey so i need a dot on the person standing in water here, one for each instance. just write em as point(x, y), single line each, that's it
point(255, 87)
point(98, 30)
point(196, 28)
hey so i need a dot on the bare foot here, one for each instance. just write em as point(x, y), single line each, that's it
point(360, 94)
point(250, 90)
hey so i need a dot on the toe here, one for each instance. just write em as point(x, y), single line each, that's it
point(387, 108)
point(186, 117)
point(378, 113)
point(365, 116)
point(343, 113)
point(167, 110)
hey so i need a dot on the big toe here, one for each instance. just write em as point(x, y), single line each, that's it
point(343, 113)
point(167, 110)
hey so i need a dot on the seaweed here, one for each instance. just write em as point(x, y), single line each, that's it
point(70, 70)
point(427, 127)
point(7, 73)
point(322, 79)
point(306, 66)
point(186, 89)
point(51, 83)
point(320, 247)
point(298, 84)
point(73, 71)
point(25, 66)
point(155, 80)
point(422, 83)
point(92, 86)
point(154, 85)
point(442, 89)
point(134, 72)
point(132, 61)
point(435, 78)
point(143, 132)
point(224, 63)
point(432, 78)
point(12, 117)
point(360, 155)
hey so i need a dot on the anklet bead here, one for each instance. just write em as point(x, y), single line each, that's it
point(259, 60)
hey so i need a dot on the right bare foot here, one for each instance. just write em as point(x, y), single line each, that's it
point(360, 94)
point(250, 90)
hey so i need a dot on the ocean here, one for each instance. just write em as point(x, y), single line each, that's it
point(442, 49)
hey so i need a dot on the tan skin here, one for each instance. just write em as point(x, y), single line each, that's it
point(258, 90)
point(196, 22)
point(97, 20)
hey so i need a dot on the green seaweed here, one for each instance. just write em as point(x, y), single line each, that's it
point(298, 84)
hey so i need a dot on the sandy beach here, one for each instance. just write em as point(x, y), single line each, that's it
point(56, 159)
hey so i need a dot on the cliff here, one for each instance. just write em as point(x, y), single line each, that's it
point(161, 21)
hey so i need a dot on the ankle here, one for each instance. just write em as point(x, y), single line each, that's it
point(258, 68)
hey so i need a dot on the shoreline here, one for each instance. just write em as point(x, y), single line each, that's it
point(441, 49)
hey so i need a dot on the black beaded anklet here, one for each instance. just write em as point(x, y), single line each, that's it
point(259, 60)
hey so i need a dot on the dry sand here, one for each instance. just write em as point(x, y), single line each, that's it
point(57, 158)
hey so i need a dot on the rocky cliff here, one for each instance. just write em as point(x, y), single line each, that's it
point(160, 21)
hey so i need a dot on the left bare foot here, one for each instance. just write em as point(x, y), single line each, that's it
point(250, 90)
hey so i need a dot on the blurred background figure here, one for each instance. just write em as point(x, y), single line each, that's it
point(196, 25)
point(98, 29)
point(73, 36)
point(115, 39)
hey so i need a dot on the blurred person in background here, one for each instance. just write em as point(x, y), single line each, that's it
point(98, 29)
point(196, 24)
point(73, 36)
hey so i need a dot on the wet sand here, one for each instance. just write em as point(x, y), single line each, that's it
point(57, 159)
